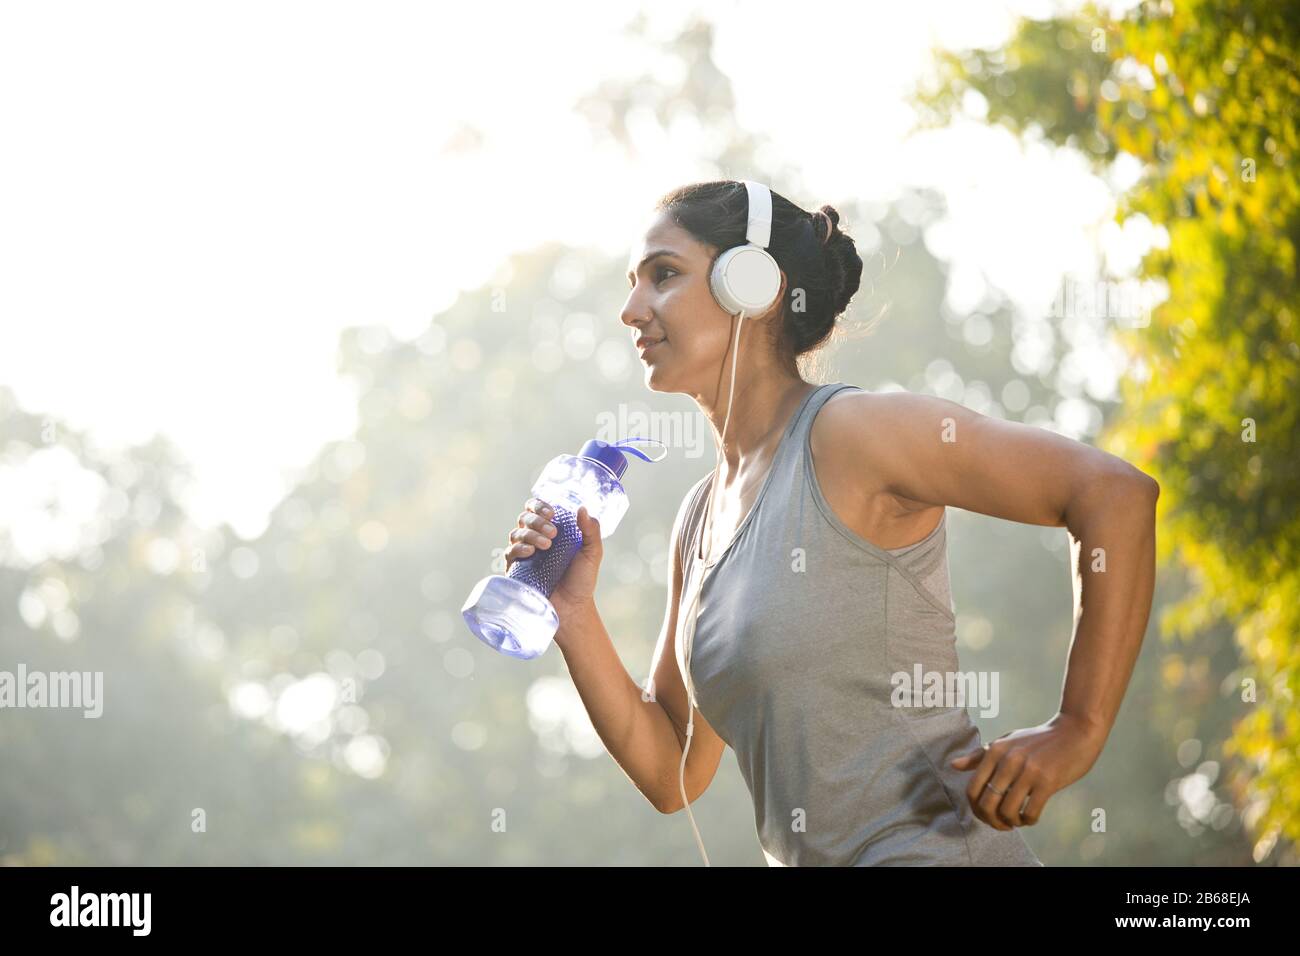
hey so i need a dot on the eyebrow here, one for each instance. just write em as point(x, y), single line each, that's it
point(649, 257)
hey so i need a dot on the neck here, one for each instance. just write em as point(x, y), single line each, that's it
point(766, 396)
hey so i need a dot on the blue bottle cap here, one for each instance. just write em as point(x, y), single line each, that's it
point(612, 457)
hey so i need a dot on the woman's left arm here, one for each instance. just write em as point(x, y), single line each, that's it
point(934, 451)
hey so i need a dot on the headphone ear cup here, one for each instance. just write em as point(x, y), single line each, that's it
point(745, 279)
point(718, 284)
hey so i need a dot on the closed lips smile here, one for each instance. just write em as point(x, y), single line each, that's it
point(645, 345)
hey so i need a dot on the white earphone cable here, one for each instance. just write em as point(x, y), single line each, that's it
point(689, 630)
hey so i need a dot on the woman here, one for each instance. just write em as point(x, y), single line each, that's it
point(818, 569)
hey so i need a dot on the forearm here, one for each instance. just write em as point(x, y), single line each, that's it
point(637, 732)
point(1113, 530)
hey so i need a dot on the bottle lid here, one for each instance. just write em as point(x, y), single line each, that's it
point(612, 457)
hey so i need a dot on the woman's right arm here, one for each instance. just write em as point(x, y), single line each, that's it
point(644, 729)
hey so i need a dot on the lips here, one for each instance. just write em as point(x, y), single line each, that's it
point(644, 344)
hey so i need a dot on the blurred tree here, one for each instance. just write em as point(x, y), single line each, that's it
point(1204, 96)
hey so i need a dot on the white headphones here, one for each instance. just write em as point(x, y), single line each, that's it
point(745, 281)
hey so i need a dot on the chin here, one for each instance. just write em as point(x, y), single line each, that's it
point(654, 375)
point(653, 381)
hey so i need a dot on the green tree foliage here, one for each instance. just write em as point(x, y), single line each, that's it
point(1204, 96)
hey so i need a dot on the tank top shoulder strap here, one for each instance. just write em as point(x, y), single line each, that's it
point(802, 425)
point(789, 452)
point(688, 516)
point(786, 481)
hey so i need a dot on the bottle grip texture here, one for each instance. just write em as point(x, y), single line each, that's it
point(543, 569)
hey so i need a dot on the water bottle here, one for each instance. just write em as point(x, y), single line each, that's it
point(512, 612)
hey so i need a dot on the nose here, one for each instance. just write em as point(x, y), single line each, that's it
point(635, 314)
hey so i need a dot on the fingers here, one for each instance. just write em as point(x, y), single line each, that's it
point(1022, 791)
point(983, 774)
point(533, 531)
point(589, 526)
point(998, 810)
point(1034, 808)
point(991, 770)
point(1010, 808)
point(967, 761)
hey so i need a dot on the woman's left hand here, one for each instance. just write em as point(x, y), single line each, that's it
point(1032, 764)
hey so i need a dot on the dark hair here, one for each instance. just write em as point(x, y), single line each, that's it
point(814, 254)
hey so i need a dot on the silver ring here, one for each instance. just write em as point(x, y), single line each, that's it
point(1000, 793)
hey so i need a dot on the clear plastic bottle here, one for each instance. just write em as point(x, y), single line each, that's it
point(512, 612)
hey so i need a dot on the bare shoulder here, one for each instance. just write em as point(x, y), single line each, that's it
point(864, 440)
point(855, 428)
point(861, 416)
point(838, 436)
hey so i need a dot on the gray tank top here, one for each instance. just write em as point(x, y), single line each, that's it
point(801, 624)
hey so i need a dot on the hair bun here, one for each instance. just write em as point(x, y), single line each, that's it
point(843, 265)
point(831, 220)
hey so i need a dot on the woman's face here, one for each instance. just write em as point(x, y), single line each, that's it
point(670, 305)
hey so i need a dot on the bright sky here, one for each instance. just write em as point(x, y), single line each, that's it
point(197, 199)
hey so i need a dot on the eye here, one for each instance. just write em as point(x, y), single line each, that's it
point(660, 271)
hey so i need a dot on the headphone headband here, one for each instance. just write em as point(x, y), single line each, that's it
point(759, 230)
point(745, 279)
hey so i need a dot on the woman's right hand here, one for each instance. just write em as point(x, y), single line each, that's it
point(575, 591)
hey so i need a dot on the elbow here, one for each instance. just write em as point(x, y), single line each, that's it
point(1148, 487)
point(1141, 497)
point(1124, 479)
point(1116, 486)
point(664, 802)
point(1139, 493)
point(669, 803)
